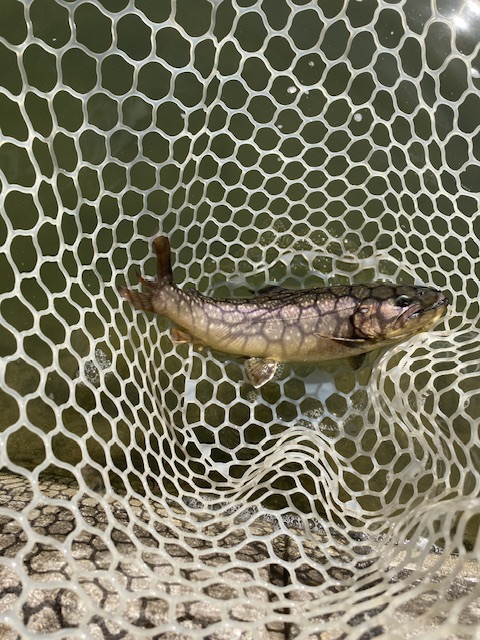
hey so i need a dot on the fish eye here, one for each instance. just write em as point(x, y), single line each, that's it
point(403, 301)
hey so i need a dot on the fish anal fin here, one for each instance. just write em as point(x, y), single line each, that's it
point(180, 336)
point(260, 370)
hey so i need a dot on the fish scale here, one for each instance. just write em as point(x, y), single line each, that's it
point(282, 325)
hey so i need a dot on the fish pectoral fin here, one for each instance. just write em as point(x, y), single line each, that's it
point(260, 370)
point(180, 336)
point(339, 339)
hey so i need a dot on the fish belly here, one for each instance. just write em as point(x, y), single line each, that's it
point(289, 333)
point(277, 338)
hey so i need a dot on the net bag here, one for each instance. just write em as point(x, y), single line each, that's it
point(147, 491)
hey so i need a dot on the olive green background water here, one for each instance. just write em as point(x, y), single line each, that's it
point(264, 160)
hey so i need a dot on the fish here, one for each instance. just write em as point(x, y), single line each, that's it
point(286, 325)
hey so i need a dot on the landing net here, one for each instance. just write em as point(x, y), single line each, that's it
point(146, 490)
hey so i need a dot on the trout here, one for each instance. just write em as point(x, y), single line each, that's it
point(284, 325)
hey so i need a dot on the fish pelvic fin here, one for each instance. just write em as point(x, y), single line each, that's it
point(260, 370)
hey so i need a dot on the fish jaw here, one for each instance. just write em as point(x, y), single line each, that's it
point(395, 312)
point(418, 318)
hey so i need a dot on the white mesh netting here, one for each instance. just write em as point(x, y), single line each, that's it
point(146, 491)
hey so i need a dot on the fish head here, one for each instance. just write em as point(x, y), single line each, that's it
point(394, 312)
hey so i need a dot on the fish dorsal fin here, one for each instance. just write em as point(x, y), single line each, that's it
point(269, 289)
point(260, 370)
point(161, 244)
point(180, 336)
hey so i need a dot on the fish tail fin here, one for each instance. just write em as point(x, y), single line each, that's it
point(164, 261)
point(145, 301)
point(139, 300)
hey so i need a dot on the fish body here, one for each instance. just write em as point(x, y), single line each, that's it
point(282, 325)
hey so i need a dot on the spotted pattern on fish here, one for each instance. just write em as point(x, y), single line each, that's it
point(282, 325)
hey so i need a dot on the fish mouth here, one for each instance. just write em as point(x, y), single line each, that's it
point(431, 313)
point(416, 313)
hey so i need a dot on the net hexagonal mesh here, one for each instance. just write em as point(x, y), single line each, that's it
point(147, 491)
